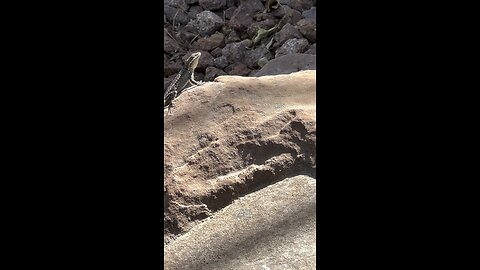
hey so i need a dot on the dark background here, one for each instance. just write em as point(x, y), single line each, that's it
point(83, 140)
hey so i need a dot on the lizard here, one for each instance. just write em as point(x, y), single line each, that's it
point(179, 83)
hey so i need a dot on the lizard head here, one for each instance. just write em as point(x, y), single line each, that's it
point(192, 61)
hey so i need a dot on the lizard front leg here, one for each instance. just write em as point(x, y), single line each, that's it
point(194, 82)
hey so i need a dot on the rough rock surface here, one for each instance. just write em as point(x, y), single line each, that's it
point(289, 63)
point(234, 136)
point(273, 228)
point(240, 31)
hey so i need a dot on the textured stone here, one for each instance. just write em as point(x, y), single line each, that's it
point(294, 45)
point(206, 23)
point(289, 63)
point(229, 137)
point(212, 4)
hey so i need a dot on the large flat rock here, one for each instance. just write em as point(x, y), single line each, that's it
point(273, 228)
point(232, 137)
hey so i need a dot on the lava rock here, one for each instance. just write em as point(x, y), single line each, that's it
point(253, 56)
point(220, 62)
point(308, 28)
point(289, 63)
point(176, 14)
point(212, 4)
point(206, 23)
point(287, 32)
point(312, 49)
point(217, 52)
point(211, 73)
point(243, 15)
point(170, 45)
point(238, 69)
point(291, 46)
point(193, 11)
point(235, 52)
point(310, 14)
point(181, 4)
point(209, 43)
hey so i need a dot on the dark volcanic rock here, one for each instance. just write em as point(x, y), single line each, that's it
point(181, 4)
point(312, 49)
point(238, 69)
point(209, 43)
point(220, 62)
point(243, 15)
point(310, 14)
point(308, 28)
point(177, 15)
point(293, 45)
point(229, 12)
point(287, 32)
point(300, 5)
point(235, 52)
point(206, 23)
point(217, 52)
point(252, 56)
point(172, 68)
point(253, 28)
point(289, 63)
point(212, 4)
point(194, 10)
point(211, 73)
point(233, 36)
point(170, 46)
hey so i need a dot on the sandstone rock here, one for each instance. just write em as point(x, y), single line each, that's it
point(273, 228)
point(291, 46)
point(230, 137)
point(289, 63)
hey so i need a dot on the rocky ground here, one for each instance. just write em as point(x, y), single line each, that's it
point(237, 37)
